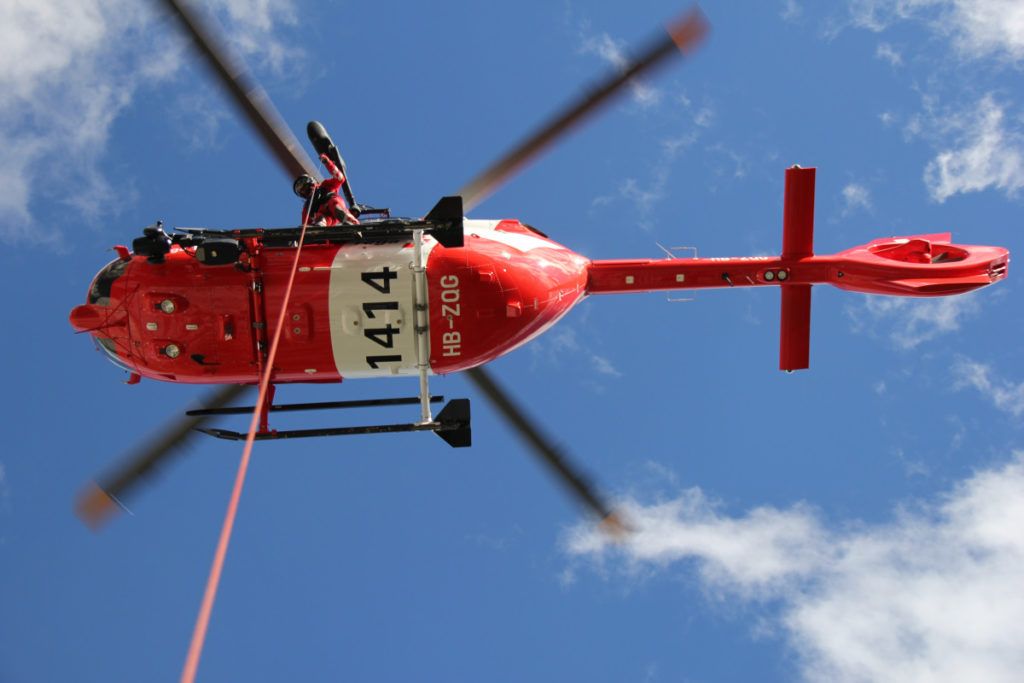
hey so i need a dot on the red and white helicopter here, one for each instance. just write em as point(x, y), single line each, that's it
point(430, 296)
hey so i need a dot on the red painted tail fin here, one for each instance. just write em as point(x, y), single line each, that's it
point(795, 332)
point(797, 242)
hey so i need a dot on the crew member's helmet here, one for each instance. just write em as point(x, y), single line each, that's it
point(303, 185)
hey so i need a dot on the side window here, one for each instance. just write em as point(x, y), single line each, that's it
point(99, 293)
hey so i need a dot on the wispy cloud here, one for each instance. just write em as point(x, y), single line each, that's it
point(604, 366)
point(932, 595)
point(252, 25)
point(977, 28)
point(791, 10)
point(913, 321)
point(736, 166)
point(645, 195)
point(856, 196)
point(914, 466)
point(1004, 394)
point(612, 52)
point(979, 143)
point(58, 105)
point(987, 151)
point(562, 343)
point(888, 53)
point(703, 116)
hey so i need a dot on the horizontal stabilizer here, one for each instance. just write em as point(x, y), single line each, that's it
point(943, 287)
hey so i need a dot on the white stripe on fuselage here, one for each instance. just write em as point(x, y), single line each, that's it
point(371, 306)
point(517, 240)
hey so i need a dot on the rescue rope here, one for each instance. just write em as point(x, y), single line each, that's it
point(203, 621)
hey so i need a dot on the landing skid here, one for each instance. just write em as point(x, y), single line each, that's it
point(452, 424)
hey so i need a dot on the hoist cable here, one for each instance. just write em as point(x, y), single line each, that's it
point(203, 620)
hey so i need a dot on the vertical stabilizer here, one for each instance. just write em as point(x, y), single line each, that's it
point(795, 331)
point(798, 213)
point(797, 243)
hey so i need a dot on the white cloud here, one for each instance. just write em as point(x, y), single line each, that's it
point(913, 466)
point(913, 320)
point(703, 117)
point(251, 25)
point(561, 343)
point(888, 53)
point(738, 161)
point(611, 51)
point(991, 26)
point(932, 595)
point(603, 366)
point(856, 196)
point(564, 339)
point(980, 145)
point(791, 11)
point(646, 196)
point(977, 28)
point(987, 153)
point(605, 47)
point(58, 104)
point(1005, 394)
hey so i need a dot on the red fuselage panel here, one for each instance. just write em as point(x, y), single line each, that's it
point(185, 322)
point(504, 287)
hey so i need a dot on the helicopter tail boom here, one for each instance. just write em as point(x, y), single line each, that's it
point(916, 265)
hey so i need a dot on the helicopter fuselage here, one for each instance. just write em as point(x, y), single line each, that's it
point(351, 311)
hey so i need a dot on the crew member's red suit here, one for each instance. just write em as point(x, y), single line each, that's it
point(328, 205)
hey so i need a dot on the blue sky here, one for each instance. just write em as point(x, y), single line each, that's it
point(856, 521)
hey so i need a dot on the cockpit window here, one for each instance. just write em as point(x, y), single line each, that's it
point(99, 292)
point(109, 349)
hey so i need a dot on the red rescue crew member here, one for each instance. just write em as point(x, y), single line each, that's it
point(324, 206)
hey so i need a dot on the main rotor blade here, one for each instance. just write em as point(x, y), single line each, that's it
point(684, 36)
point(246, 93)
point(559, 464)
point(100, 500)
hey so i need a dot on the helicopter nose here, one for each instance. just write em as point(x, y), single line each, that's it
point(95, 318)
